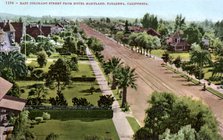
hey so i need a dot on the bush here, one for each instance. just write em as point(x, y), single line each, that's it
point(37, 74)
point(105, 101)
point(42, 58)
point(83, 79)
point(39, 119)
point(52, 136)
point(46, 116)
point(81, 102)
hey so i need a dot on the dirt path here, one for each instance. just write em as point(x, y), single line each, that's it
point(154, 77)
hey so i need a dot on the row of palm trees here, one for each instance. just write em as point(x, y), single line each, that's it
point(122, 76)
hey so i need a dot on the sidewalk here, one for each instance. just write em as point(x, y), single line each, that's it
point(122, 125)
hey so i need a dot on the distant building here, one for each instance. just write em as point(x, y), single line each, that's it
point(7, 37)
point(57, 28)
point(176, 43)
point(8, 105)
point(18, 27)
point(35, 30)
point(153, 32)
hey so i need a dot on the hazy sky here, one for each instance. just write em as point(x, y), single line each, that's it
point(168, 9)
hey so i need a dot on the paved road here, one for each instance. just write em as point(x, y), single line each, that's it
point(153, 77)
point(122, 125)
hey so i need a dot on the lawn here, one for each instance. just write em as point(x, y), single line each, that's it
point(183, 55)
point(134, 124)
point(76, 129)
point(75, 89)
point(84, 70)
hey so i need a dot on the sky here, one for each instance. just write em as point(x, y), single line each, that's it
point(193, 10)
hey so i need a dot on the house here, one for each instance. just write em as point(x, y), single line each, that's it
point(153, 32)
point(18, 27)
point(8, 105)
point(135, 29)
point(35, 30)
point(57, 28)
point(7, 38)
point(176, 42)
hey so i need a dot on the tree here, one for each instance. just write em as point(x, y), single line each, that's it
point(126, 26)
point(218, 47)
point(218, 67)
point(70, 45)
point(81, 102)
point(179, 22)
point(193, 34)
point(166, 57)
point(45, 44)
point(219, 29)
point(185, 133)
point(150, 21)
point(21, 129)
point(59, 73)
point(29, 47)
point(13, 62)
point(106, 101)
point(177, 117)
point(37, 95)
point(111, 66)
point(42, 58)
point(177, 62)
point(59, 100)
point(132, 40)
point(199, 57)
point(119, 36)
point(95, 45)
point(126, 77)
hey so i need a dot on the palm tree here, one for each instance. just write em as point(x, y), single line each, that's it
point(126, 77)
point(111, 67)
point(13, 62)
point(199, 57)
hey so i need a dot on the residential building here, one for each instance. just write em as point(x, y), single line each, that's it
point(177, 43)
point(8, 105)
point(7, 37)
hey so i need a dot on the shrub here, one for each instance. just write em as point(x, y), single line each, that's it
point(46, 116)
point(42, 58)
point(81, 102)
point(105, 101)
point(52, 136)
point(37, 74)
point(39, 119)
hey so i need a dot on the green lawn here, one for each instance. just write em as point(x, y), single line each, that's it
point(76, 129)
point(134, 124)
point(183, 55)
point(84, 70)
point(76, 89)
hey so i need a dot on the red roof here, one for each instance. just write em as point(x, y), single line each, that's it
point(9, 102)
point(18, 26)
point(33, 31)
point(13, 103)
point(152, 32)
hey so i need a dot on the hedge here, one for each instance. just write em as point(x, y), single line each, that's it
point(72, 114)
point(83, 79)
